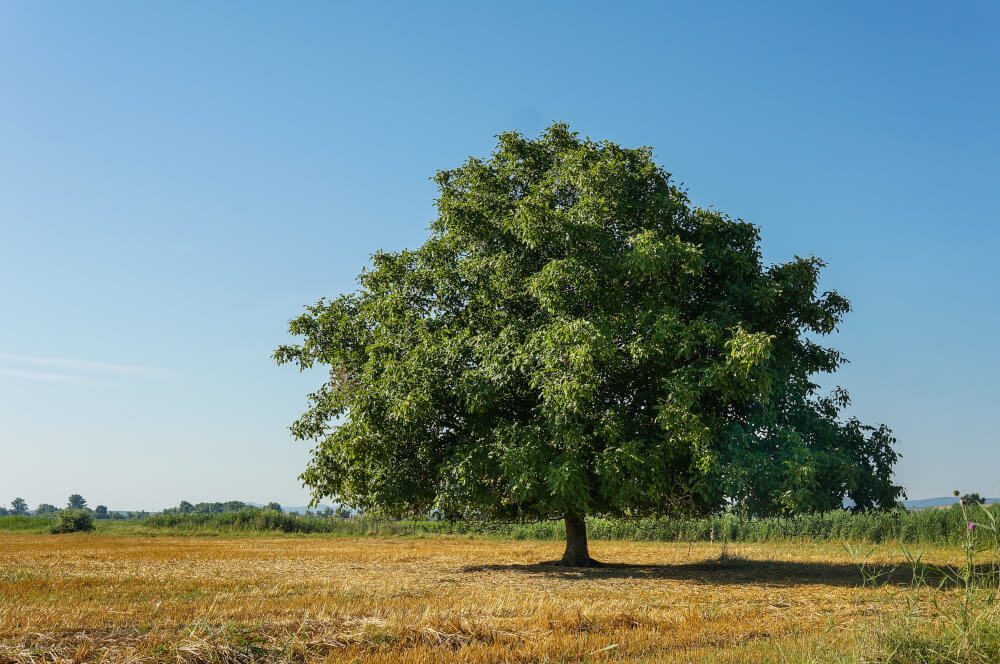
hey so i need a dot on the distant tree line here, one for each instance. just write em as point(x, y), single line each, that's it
point(19, 507)
point(186, 507)
point(973, 498)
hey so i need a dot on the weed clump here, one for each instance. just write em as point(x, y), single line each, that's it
point(963, 628)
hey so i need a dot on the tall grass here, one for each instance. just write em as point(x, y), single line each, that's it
point(27, 524)
point(928, 527)
point(957, 627)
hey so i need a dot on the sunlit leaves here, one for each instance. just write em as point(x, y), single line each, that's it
point(575, 336)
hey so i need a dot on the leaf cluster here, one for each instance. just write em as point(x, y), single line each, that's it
point(576, 337)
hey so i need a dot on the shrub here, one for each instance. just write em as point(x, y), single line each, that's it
point(73, 521)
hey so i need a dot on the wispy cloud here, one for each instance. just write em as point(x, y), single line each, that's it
point(79, 366)
point(47, 376)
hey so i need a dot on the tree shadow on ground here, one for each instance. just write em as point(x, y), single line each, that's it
point(747, 571)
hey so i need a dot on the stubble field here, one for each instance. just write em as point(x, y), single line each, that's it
point(83, 598)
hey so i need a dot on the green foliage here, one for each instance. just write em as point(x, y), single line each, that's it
point(947, 629)
point(18, 507)
point(576, 337)
point(250, 519)
point(72, 520)
point(76, 502)
point(927, 527)
point(273, 506)
point(207, 508)
point(973, 499)
point(101, 512)
point(26, 524)
point(44, 509)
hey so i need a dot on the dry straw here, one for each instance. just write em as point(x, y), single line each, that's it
point(91, 598)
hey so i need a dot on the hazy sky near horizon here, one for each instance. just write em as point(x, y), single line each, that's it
point(178, 179)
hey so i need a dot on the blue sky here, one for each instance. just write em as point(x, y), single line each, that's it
point(178, 179)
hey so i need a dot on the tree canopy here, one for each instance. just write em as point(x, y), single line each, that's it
point(185, 507)
point(44, 509)
point(575, 337)
point(18, 507)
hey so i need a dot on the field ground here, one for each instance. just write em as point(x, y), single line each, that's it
point(88, 597)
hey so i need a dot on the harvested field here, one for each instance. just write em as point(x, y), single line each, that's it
point(81, 598)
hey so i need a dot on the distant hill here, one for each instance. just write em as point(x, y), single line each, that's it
point(938, 502)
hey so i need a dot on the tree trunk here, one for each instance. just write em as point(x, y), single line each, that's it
point(576, 543)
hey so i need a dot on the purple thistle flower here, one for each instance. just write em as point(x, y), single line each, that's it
point(972, 526)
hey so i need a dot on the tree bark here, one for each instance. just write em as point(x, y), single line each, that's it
point(576, 543)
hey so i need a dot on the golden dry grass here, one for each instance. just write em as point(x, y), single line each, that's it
point(81, 598)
